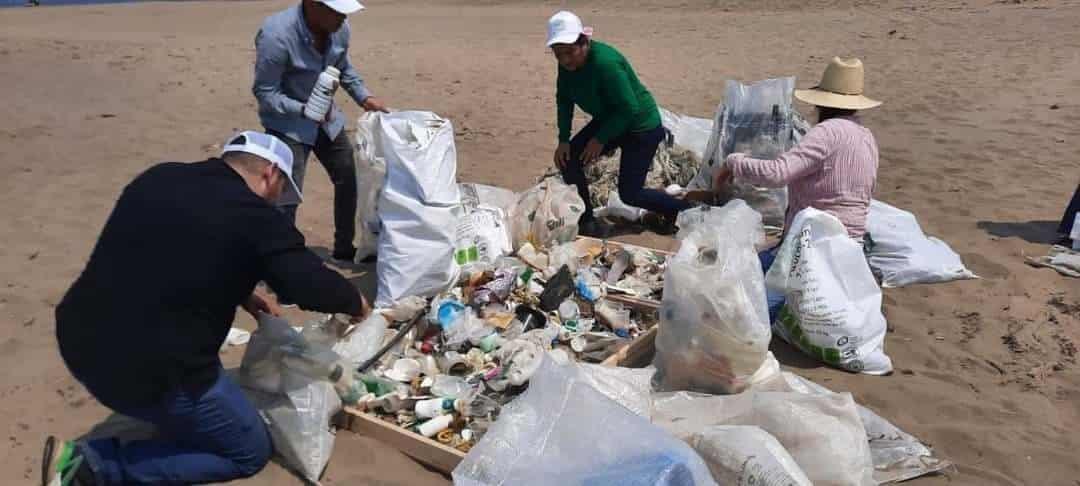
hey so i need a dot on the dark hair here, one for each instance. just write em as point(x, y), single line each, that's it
point(582, 40)
point(825, 113)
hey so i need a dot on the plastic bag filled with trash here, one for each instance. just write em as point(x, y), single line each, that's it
point(546, 215)
point(483, 230)
point(419, 206)
point(822, 432)
point(296, 407)
point(755, 119)
point(563, 431)
point(902, 254)
point(833, 304)
point(714, 323)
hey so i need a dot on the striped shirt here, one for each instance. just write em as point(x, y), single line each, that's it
point(833, 169)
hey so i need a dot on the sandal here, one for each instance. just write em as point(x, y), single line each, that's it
point(59, 468)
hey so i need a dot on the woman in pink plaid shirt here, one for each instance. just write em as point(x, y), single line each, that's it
point(833, 168)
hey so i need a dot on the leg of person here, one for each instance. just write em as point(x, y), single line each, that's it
point(775, 300)
point(300, 155)
point(1066, 226)
point(336, 156)
point(574, 171)
point(638, 150)
point(214, 435)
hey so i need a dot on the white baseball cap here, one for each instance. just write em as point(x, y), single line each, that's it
point(344, 7)
point(564, 28)
point(273, 150)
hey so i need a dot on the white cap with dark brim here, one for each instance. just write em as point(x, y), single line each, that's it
point(344, 7)
point(565, 28)
point(274, 151)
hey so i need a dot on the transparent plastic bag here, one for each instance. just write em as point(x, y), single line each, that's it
point(822, 432)
point(714, 321)
point(546, 215)
point(296, 407)
point(549, 435)
point(756, 119)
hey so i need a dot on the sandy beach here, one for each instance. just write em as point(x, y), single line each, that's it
point(977, 138)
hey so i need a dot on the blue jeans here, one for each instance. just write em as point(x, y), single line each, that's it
point(214, 435)
point(775, 299)
point(638, 150)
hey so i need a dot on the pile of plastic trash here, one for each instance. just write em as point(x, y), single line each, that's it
point(492, 314)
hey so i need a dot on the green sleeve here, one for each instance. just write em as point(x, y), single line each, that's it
point(623, 101)
point(565, 113)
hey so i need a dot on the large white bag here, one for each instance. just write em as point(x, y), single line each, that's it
point(823, 432)
point(546, 215)
point(714, 321)
point(903, 255)
point(563, 431)
point(833, 307)
point(419, 206)
point(370, 177)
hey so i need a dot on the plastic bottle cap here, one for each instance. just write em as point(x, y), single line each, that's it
point(333, 71)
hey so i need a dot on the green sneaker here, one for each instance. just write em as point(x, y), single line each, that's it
point(63, 466)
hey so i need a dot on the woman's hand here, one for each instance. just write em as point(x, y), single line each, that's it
point(592, 151)
point(259, 302)
point(722, 177)
point(562, 155)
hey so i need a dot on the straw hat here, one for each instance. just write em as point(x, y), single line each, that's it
point(841, 87)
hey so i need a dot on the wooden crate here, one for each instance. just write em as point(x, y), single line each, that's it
point(442, 458)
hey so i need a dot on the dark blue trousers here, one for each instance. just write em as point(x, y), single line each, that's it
point(637, 152)
point(207, 436)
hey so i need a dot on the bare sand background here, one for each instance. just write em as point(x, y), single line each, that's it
point(977, 138)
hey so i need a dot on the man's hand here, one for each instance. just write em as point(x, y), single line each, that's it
point(722, 177)
point(259, 302)
point(365, 310)
point(562, 155)
point(373, 104)
point(592, 151)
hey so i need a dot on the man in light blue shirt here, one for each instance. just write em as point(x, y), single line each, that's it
point(292, 48)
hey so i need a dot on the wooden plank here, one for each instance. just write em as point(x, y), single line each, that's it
point(440, 457)
point(637, 354)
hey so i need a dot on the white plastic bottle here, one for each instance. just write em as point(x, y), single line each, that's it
point(322, 94)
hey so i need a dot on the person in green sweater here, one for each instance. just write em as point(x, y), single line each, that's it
point(598, 79)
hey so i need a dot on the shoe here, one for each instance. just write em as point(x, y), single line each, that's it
point(344, 254)
point(64, 466)
point(595, 228)
point(659, 223)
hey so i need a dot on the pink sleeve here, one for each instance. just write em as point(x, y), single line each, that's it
point(802, 160)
